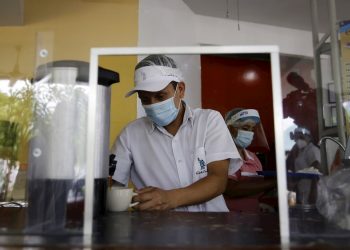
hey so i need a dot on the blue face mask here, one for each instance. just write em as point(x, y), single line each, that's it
point(244, 138)
point(162, 113)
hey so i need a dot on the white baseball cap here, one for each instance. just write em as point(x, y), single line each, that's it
point(154, 77)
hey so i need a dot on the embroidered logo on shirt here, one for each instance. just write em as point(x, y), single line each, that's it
point(202, 166)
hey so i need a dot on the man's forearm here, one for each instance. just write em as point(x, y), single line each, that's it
point(201, 191)
point(205, 189)
point(154, 198)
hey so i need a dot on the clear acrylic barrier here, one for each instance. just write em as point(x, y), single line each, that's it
point(301, 219)
point(317, 177)
point(179, 52)
point(57, 152)
point(44, 122)
point(57, 156)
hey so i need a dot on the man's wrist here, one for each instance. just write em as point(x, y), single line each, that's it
point(175, 198)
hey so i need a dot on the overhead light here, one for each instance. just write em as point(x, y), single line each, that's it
point(250, 75)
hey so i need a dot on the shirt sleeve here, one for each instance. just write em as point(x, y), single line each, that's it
point(123, 158)
point(219, 144)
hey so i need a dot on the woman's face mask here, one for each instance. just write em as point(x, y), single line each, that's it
point(163, 113)
point(301, 143)
point(244, 138)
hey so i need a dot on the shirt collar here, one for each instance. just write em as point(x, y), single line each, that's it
point(188, 116)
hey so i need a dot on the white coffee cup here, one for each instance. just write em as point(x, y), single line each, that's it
point(119, 198)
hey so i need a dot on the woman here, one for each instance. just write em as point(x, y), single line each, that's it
point(245, 187)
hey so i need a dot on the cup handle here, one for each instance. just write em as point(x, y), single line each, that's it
point(135, 203)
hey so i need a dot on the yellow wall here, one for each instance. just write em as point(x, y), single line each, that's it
point(76, 26)
point(123, 109)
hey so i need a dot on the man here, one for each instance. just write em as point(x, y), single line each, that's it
point(304, 153)
point(304, 156)
point(177, 158)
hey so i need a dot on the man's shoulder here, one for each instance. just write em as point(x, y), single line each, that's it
point(137, 124)
point(312, 147)
point(207, 117)
point(199, 113)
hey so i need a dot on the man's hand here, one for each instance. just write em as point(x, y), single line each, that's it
point(152, 198)
point(214, 184)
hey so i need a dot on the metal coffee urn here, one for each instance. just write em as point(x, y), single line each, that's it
point(57, 151)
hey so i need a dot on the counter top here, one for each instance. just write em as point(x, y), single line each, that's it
point(170, 230)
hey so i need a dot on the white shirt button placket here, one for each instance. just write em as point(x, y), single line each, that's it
point(181, 167)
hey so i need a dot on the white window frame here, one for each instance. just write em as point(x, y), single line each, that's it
point(139, 51)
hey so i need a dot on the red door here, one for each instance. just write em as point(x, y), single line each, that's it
point(236, 82)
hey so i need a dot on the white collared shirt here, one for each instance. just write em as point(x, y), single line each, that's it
point(306, 156)
point(151, 156)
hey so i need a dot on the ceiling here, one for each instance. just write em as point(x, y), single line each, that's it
point(285, 13)
point(295, 14)
point(11, 12)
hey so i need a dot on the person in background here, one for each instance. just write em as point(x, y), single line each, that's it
point(304, 157)
point(245, 187)
point(304, 154)
point(301, 101)
point(178, 158)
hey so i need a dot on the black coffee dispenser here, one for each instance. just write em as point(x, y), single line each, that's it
point(57, 152)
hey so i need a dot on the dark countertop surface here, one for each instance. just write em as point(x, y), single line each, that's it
point(180, 230)
point(189, 229)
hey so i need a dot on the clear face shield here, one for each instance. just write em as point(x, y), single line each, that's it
point(259, 143)
point(242, 124)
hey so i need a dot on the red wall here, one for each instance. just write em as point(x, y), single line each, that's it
point(229, 82)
